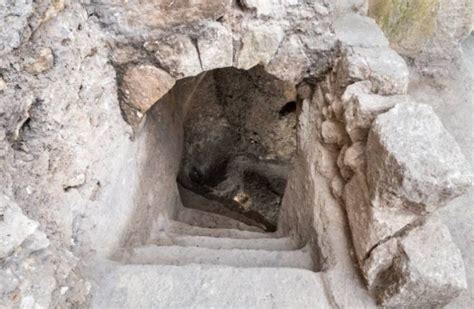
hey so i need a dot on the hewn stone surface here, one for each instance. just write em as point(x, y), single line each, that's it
point(259, 44)
point(414, 163)
point(144, 85)
point(177, 54)
point(216, 47)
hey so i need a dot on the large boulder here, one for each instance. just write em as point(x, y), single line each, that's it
point(420, 269)
point(413, 161)
point(370, 225)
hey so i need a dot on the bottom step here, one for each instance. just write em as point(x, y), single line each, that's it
point(177, 255)
point(204, 286)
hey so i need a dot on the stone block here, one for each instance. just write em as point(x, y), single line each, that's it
point(259, 44)
point(426, 272)
point(363, 108)
point(215, 46)
point(177, 54)
point(290, 62)
point(382, 66)
point(370, 225)
point(143, 85)
point(333, 132)
point(413, 161)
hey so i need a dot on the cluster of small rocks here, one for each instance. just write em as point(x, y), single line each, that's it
point(397, 165)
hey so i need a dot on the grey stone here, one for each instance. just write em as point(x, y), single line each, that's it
point(177, 54)
point(428, 270)
point(290, 62)
point(363, 108)
point(414, 163)
point(359, 31)
point(386, 70)
point(215, 46)
point(370, 225)
point(15, 227)
point(259, 44)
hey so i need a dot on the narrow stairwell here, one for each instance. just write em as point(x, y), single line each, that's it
point(208, 260)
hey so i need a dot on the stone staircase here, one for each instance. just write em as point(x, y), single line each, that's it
point(206, 260)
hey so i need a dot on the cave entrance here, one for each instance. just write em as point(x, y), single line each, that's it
point(239, 140)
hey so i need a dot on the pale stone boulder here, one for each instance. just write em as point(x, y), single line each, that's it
point(359, 31)
point(260, 43)
point(382, 66)
point(413, 161)
point(215, 45)
point(145, 84)
point(290, 62)
point(177, 54)
point(370, 225)
point(15, 227)
point(427, 271)
point(363, 108)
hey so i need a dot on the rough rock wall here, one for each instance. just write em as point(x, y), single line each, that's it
point(239, 141)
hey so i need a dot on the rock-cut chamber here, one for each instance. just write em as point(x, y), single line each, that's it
point(238, 141)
